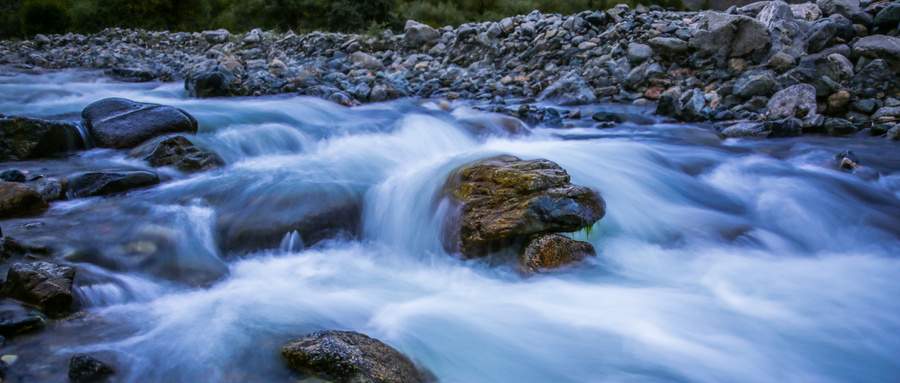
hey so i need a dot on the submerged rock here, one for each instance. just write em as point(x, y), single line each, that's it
point(15, 319)
point(43, 284)
point(112, 182)
point(178, 152)
point(505, 200)
point(23, 138)
point(121, 123)
point(350, 357)
point(17, 199)
point(553, 251)
point(87, 369)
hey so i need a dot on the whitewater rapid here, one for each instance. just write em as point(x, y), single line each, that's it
point(734, 260)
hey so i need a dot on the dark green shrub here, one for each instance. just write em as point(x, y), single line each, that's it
point(43, 16)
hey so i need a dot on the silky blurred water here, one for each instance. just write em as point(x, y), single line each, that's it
point(734, 260)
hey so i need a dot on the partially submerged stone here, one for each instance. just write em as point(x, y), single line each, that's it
point(345, 357)
point(17, 199)
point(505, 200)
point(84, 368)
point(121, 123)
point(23, 138)
point(178, 152)
point(553, 251)
point(43, 284)
point(109, 182)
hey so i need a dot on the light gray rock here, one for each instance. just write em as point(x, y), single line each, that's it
point(794, 101)
point(571, 89)
point(752, 84)
point(417, 34)
point(638, 53)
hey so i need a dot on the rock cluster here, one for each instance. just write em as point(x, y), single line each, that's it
point(509, 204)
point(114, 123)
point(710, 65)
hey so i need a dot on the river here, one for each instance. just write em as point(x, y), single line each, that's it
point(718, 260)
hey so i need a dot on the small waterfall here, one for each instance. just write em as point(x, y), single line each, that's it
point(292, 242)
point(84, 134)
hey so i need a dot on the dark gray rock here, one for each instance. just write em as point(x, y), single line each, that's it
point(418, 35)
point(121, 123)
point(879, 47)
point(888, 17)
point(15, 319)
point(178, 152)
point(87, 369)
point(109, 182)
point(43, 284)
point(752, 84)
point(215, 78)
point(24, 138)
point(12, 175)
point(17, 199)
point(350, 357)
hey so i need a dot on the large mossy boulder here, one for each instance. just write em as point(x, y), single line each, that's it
point(121, 123)
point(503, 201)
point(23, 138)
point(43, 284)
point(350, 357)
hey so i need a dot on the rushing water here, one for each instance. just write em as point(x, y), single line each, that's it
point(734, 260)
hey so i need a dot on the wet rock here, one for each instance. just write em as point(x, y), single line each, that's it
point(132, 74)
point(847, 160)
point(215, 78)
point(418, 35)
point(122, 123)
point(17, 199)
point(87, 369)
point(794, 101)
point(345, 357)
point(887, 114)
point(50, 188)
point(746, 129)
point(571, 89)
point(24, 138)
point(178, 152)
point(13, 249)
point(505, 200)
point(839, 126)
point(265, 227)
point(12, 175)
point(104, 183)
point(43, 284)
point(553, 251)
point(15, 319)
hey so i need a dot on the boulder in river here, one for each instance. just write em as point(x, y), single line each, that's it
point(179, 152)
point(23, 138)
point(87, 369)
point(553, 251)
point(345, 357)
point(103, 183)
point(505, 200)
point(121, 123)
point(17, 199)
point(43, 284)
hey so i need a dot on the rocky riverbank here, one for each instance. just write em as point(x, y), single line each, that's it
point(765, 69)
